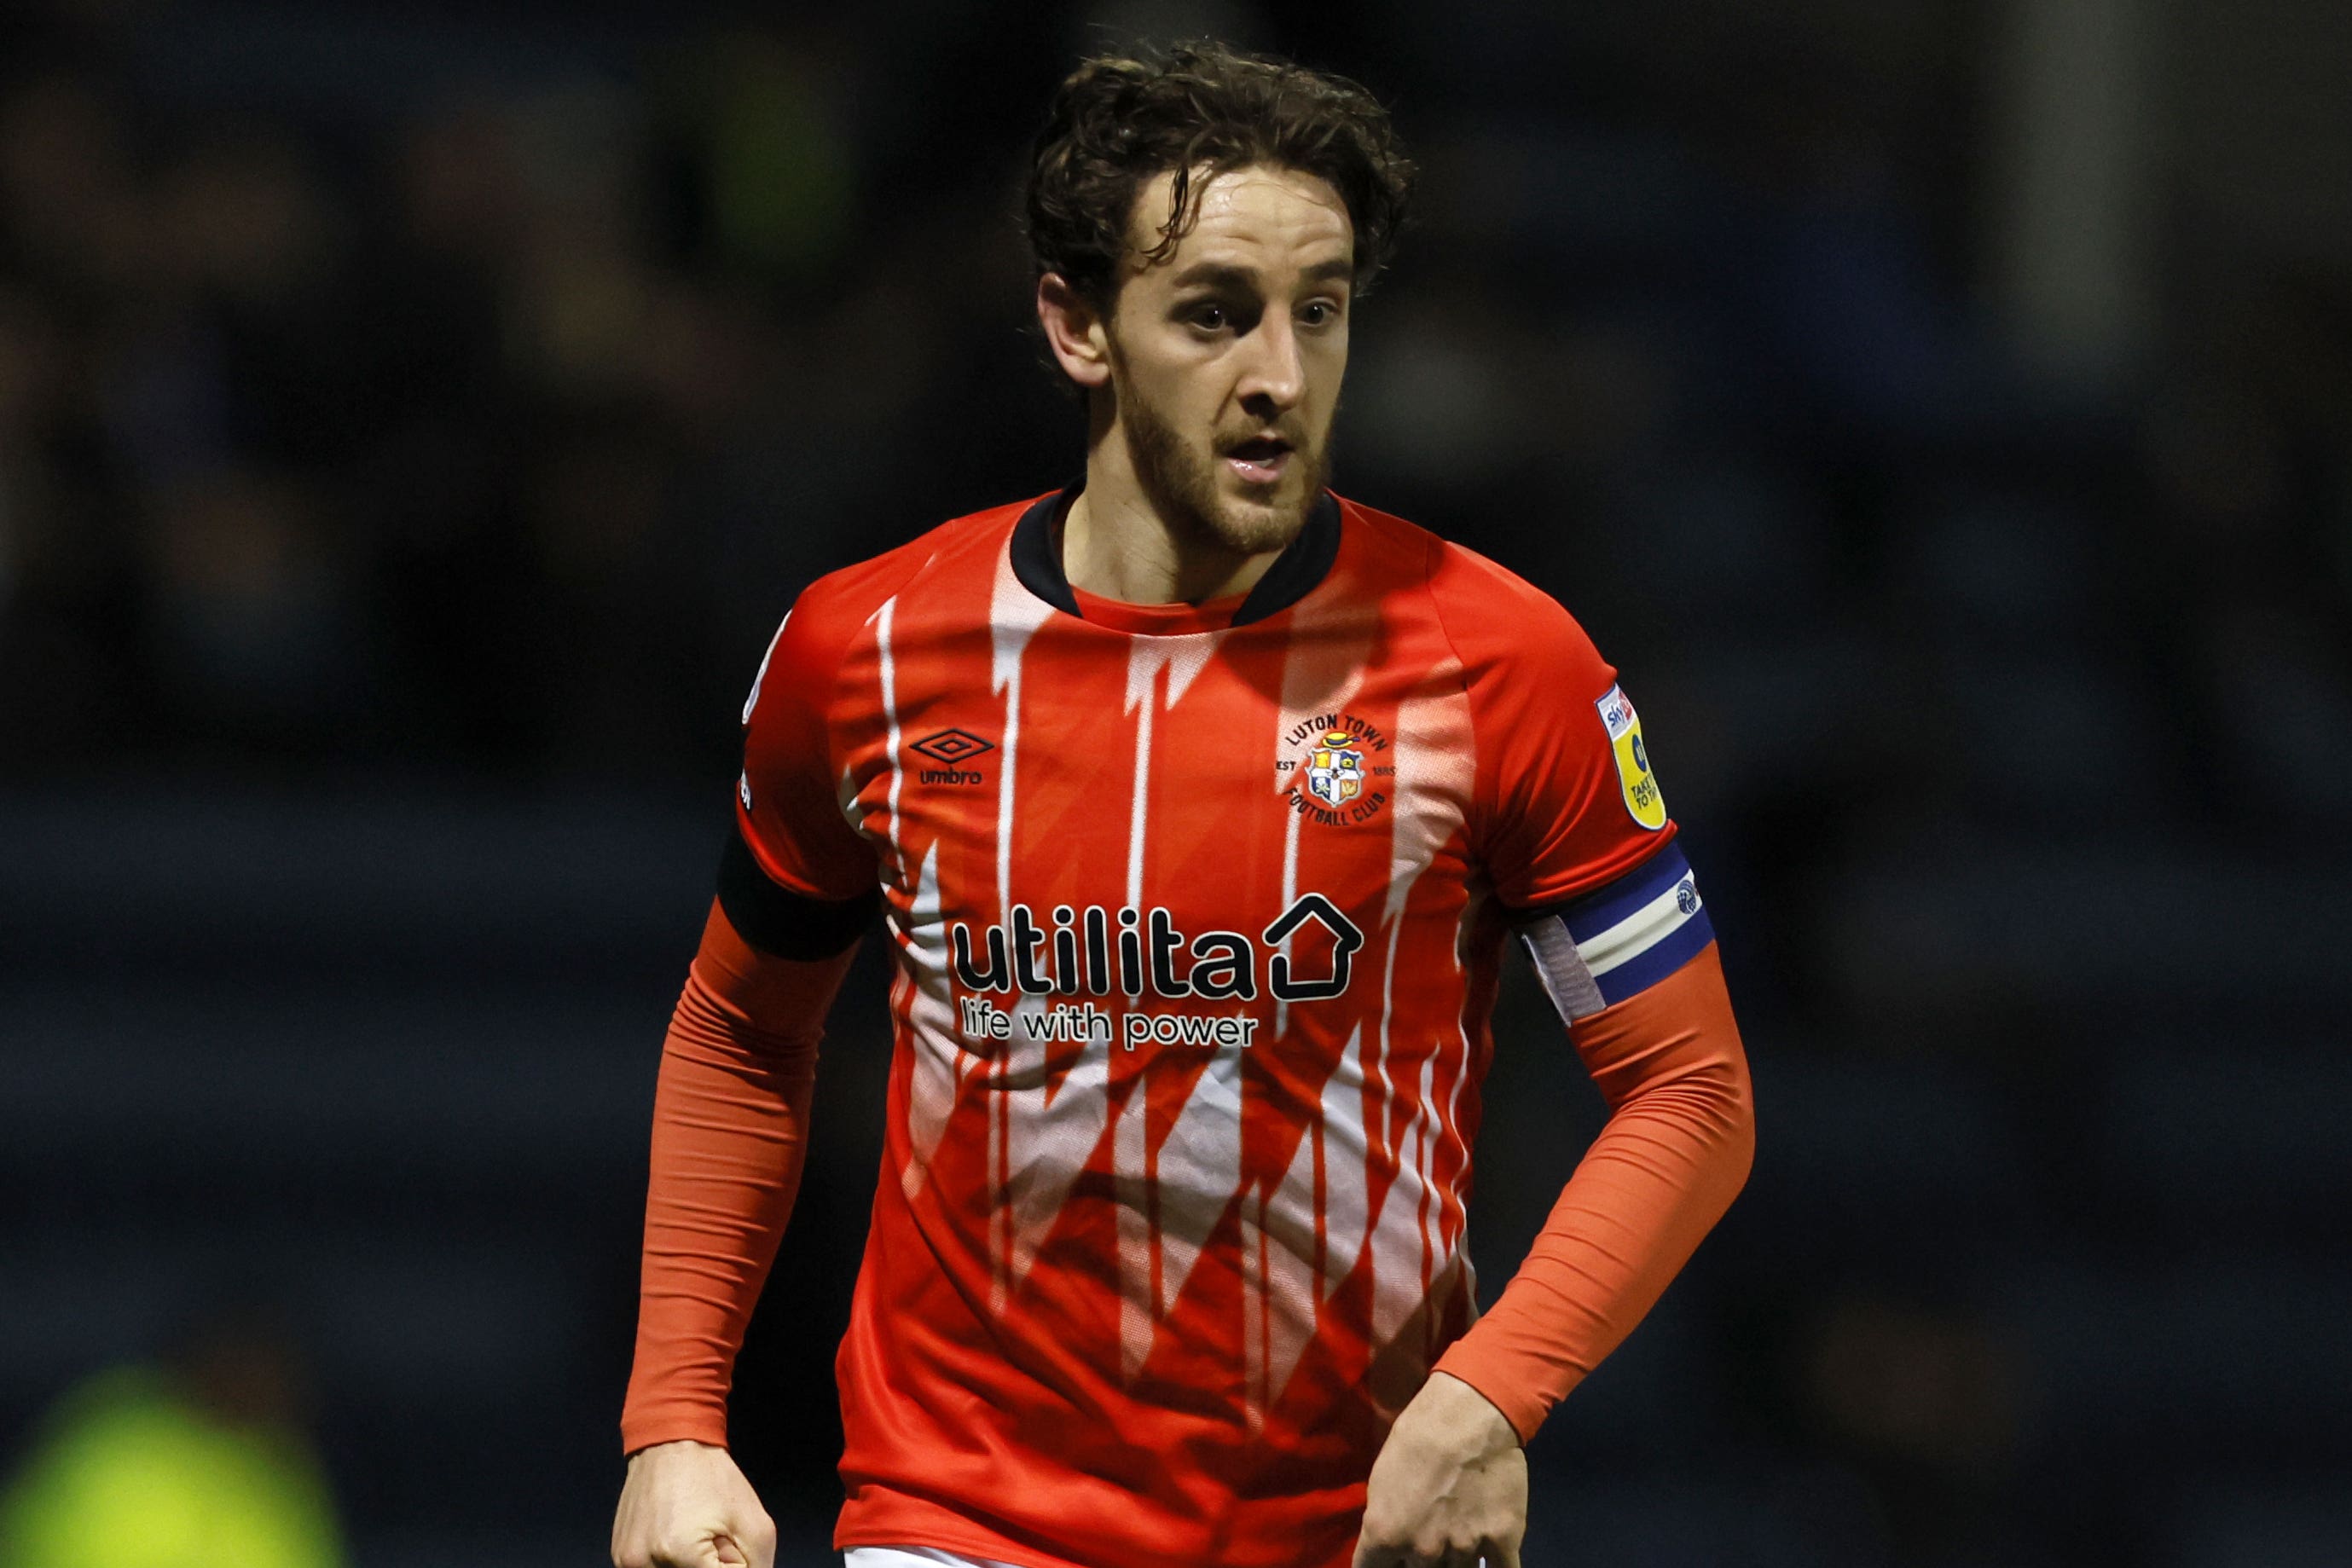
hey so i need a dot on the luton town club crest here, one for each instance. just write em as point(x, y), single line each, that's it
point(1335, 769)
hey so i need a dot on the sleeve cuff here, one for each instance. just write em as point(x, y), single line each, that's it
point(672, 1421)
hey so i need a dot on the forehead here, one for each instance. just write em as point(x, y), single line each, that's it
point(1260, 216)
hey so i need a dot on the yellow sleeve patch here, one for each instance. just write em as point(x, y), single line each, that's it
point(1635, 779)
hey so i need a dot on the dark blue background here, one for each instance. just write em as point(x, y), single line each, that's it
point(413, 420)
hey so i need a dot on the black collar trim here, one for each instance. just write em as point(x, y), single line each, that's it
point(1304, 563)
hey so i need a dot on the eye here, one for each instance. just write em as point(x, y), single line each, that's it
point(1320, 313)
point(1208, 317)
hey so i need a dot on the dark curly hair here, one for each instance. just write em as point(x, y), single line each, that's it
point(1201, 109)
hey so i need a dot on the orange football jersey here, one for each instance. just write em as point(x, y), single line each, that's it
point(1198, 916)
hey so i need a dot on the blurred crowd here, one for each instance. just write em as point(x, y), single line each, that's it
point(464, 393)
point(426, 391)
point(358, 404)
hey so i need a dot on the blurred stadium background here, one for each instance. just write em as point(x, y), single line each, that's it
point(413, 419)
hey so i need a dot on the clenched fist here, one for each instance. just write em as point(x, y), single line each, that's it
point(1450, 1487)
point(686, 1505)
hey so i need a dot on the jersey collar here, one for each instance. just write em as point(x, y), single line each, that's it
point(1303, 563)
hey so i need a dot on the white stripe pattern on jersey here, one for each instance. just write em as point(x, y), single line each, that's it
point(889, 679)
point(1014, 614)
point(1190, 1182)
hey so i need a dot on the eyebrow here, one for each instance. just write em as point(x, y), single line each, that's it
point(1228, 276)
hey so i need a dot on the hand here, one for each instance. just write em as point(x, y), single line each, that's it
point(685, 1505)
point(1450, 1487)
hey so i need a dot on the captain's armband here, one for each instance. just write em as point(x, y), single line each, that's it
point(1605, 946)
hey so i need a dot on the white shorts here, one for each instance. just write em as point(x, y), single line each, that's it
point(911, 1557)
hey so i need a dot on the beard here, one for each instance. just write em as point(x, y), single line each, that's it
point(1181, 482)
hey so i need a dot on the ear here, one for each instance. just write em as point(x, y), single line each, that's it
point(1074, 331)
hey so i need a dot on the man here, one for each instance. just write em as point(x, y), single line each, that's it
point(1198, 802)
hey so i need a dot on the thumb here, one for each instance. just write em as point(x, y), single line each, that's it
point(748, 1544)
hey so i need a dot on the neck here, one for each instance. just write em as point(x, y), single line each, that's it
point(1118, 544)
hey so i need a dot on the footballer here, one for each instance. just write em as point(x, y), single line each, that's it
point(1198, 803)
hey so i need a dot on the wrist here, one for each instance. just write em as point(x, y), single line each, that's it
point(1469, 1417)
point(673, 1444)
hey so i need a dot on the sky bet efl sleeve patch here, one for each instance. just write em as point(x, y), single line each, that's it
point(1635, 779)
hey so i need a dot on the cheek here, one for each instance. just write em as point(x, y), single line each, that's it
point(1155, 371)
point(1188, 397)
point(1327, 366)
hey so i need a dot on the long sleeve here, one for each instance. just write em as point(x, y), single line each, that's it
point(1674, 1153)
point(731, 1129)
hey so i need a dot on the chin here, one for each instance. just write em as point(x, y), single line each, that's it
point(1252, 527)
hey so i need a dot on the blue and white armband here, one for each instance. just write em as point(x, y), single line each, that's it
point(1620, 939)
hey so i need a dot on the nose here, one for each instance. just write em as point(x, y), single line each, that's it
point(1274, 377)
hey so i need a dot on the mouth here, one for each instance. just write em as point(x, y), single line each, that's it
point(1261, 460)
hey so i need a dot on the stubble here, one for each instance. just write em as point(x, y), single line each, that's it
point(1182, 484)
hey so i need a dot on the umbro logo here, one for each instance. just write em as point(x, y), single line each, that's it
point(952, 747)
